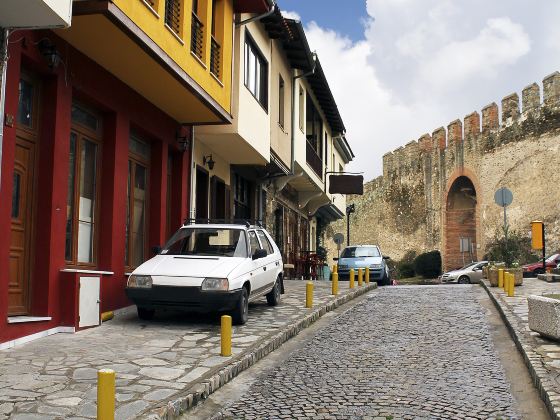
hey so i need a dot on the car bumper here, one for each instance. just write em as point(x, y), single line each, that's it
point(448, 279)
point(374, 275)
point(183, 298)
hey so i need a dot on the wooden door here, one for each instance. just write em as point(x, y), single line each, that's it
point(21, 228)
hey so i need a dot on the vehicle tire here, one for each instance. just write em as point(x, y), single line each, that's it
point(241, 312)
point(145, 313)
point(538, 271)
point(385, 280)
point(273, 297)
point(464, 280)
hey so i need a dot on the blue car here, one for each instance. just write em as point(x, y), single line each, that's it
point(362, 256)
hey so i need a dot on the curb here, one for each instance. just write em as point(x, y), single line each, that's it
point(201, 390)
point(532, 359)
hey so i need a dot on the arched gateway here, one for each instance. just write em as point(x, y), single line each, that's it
point(460, 223)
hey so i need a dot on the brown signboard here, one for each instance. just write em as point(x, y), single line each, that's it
point(346, 184)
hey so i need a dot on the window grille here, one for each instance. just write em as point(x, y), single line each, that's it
point(173, 15)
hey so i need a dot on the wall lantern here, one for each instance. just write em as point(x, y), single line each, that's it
point(48, 50)
point(183, 139)
point(207, 160)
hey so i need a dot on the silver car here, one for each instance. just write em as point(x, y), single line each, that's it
point(470, 273)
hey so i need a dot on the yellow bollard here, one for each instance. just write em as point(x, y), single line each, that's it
point(309, 295)
point(225, 335)
point(351, 279)
point(106, 394)
point(501, 277)
point(367, 275)
point(504, 286)
point(511, 290)
point(335, 268)
point(360, 277)
point(334, 283)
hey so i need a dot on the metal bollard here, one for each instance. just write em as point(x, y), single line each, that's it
point(501, 278)
point(106, 394)
point(334, 284)
point(225, 335)
point(351, 279)
point(504, 285)
point(360, 277)
point(309, 295)
point(367, 275)
point(511, 290)
point(335, 268)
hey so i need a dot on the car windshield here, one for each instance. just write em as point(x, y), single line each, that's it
point(207, 242)
point(552, 258)
point(467, 266)
point(360, 251)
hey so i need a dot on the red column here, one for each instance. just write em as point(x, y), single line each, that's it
point(53, 167)
point(114, 177)
point(158, 195)
point(8, 151)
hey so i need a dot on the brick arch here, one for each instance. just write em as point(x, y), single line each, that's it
point(462, 222)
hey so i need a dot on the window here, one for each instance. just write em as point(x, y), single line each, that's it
point(173, 15)
point(241, 197)
point(326, 144)
point(25, 103)
point(81, 204)
point(265, 242)
point(197, 32)
point(281, 94)
point(137, 202)
point(356, 252)
point(207, 242)
point(301, 108)
point(256, 71)
point(253, 242)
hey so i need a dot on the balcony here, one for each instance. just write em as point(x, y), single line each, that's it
point(215, 51)
point(35, 13)
point(197, 36)
point(314, 160)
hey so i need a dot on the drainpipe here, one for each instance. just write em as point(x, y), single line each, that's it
point(259, 17)
point(309, 73)
point(4, 33)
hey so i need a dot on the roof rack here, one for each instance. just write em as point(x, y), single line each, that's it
point(247, 222)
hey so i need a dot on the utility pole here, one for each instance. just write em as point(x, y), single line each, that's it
point(349, 209)
point(3, 65)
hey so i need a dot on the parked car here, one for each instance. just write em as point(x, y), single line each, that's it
point(470, 273)
point(210, 267)
point(534, 269)
point(362, 256)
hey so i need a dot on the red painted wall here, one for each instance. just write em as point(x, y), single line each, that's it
point(84, 80)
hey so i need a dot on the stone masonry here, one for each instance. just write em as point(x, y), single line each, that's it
point(442, 186)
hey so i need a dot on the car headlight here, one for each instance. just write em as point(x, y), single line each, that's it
point(140, 281)
point(215, 284)
point(375, 266)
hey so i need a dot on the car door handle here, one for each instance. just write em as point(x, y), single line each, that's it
point(277, 263)
point(264, 268)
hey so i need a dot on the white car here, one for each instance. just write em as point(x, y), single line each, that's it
point(210, 267)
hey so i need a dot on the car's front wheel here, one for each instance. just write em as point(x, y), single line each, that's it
point(241, 312)
point(273, 297)
point(145, 313)
point(538, 271)
point(464, 280)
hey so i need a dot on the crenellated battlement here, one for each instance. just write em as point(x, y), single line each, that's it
point(478, 127)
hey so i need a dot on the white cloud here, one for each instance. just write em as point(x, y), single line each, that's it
point(291, 15)
point(423, 64)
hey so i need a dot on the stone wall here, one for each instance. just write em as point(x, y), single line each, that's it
point(408, 208)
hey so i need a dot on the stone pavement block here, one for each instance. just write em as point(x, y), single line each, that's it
point(152, 359)
point(541, 354)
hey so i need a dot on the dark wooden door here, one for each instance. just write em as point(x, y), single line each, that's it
point(21, 228)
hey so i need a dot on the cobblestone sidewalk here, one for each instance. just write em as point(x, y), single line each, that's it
point(541, 355)
point(155, 361)
point(410, 352)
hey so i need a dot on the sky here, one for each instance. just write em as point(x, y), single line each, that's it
point(401, 68)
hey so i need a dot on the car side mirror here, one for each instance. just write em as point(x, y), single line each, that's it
point(335, 258)
point(476, 269)
point(386, 257)
point(259, 253)
point(156, 249)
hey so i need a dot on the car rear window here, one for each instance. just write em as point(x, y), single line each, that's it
point(360, 251)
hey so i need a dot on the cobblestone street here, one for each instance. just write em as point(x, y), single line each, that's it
point(404, 352)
